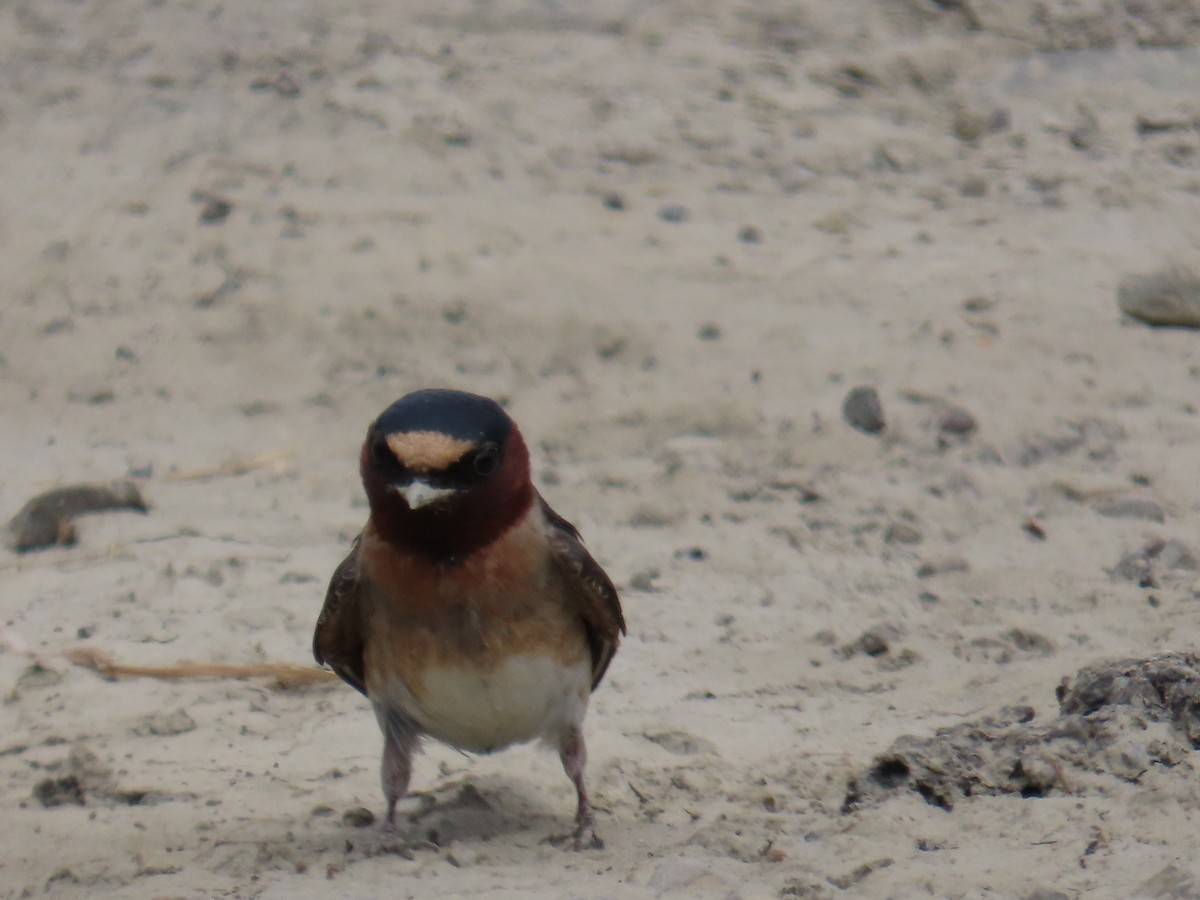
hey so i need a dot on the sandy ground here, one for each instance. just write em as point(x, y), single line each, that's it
point(671, 237)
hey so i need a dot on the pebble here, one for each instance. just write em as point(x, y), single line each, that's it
point(929, 568)
point(358, 817)
point(166, 724)
point(863, 411)
point(215, 209)
point(1170, 298)
point(957, 421)
point(902, 533)
point(1085, 130)
point(614, 201)
point(873, 642)
point(749, 234)
point(1130, 507)
point(674, 213)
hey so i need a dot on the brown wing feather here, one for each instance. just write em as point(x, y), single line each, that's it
point(592, 589)
point(338, 639)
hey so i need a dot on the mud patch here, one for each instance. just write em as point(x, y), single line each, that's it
point(1116, 719)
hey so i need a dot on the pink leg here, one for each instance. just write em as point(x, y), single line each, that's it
point(395, 774)
point(399, 741)
point(573, 753)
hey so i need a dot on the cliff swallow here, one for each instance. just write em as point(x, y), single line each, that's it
point(468, 610)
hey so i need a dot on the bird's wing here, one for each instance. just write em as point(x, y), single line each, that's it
point(338, 639)
point(590, 589)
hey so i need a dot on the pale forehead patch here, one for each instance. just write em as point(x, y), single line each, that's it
point(427, 451)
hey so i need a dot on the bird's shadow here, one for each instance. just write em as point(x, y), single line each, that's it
point(460, 811)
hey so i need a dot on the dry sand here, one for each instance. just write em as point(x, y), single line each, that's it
point(672, 237)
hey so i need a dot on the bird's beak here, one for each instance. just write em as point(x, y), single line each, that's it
point(419, 493)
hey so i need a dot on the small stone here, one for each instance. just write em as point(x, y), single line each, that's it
point(215, 209)
point(1085, 131)
point(165, 724)
point(358, 817)
point(283, 84)
point(675, 213)
point(1147, 124)
point(644, 580)
point(971, 124)
point(614, 201)
point(902, 533)
point(977, 304)
point(749, 234)
point(709, 331)
point(1130, 507)
point(973, 186)
point(873, 642)
point(929, 568)
point(1169, 298)
point(956, 420)
point(863, 411)
point(1046, 894)
point(63, 791)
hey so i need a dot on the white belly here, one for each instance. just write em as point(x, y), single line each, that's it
point(524, 698)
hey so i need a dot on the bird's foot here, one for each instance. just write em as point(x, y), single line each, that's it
point(583, 837)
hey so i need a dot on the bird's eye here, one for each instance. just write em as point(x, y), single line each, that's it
point(381, 454)
point(487, 460)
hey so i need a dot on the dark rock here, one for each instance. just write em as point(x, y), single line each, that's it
point(214, 210)
point(873, 642)
point(749, 234)
point(64, 791)
point(863, 410)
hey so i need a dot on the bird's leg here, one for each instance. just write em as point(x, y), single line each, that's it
point(573, 753)
point(399, 741)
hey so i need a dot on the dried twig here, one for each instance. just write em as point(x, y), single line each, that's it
point(286, 674)
point(232, 467)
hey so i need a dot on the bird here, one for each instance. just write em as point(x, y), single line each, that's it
point(467, 610)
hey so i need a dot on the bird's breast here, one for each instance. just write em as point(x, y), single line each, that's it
point(525, 697)
point(482, 655)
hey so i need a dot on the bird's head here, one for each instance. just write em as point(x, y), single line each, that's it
point(445, 473)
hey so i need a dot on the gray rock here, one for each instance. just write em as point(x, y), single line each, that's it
point(956, 420)
point(1128, 506)
point(862, 410)
point(1169, 298)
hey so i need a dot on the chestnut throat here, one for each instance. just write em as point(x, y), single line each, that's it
point(449, 532)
